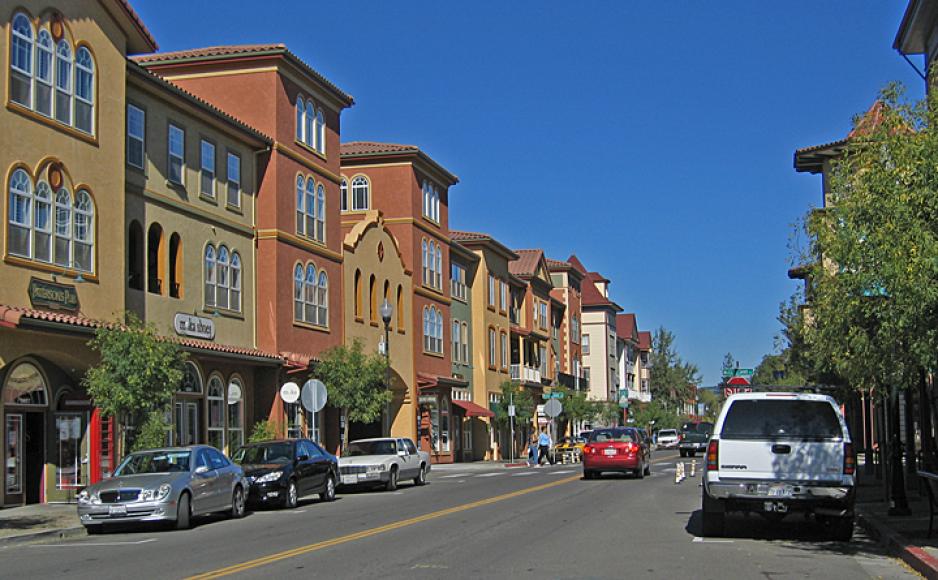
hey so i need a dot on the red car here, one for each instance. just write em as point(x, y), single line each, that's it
point(620, 449)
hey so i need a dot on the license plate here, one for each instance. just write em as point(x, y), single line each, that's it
point(780, 491)
point(349, 479)
point(117, 511)
point(609, 451)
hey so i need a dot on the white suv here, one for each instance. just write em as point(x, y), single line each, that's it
point(668, 438)
point(775, 453)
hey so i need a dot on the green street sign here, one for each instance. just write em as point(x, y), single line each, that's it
point(553, 395)
point(730, 373)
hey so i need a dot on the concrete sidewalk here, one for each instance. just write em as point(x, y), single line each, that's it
point(38, 522)
point(906, 536)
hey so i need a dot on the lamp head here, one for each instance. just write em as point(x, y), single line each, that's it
point(386, 312)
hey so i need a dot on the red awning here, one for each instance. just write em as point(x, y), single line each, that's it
point(473, 410)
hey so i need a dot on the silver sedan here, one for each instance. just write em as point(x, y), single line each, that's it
point(171, 485)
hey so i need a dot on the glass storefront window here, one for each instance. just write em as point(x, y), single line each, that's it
point(69, 433)
point(14, 458)
point(191, 380)
point(434, 424)
point(444, 426)
point(235, 421)
point(216, 412)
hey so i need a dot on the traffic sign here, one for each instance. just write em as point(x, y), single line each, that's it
point(313, 395)
point(553, 395)
point(290, 392)
point(728, 373)
point(552, 408)
point(738, 381)
point(511, 410)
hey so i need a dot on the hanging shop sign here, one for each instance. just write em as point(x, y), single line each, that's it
point(195, 326)
point(44, 294)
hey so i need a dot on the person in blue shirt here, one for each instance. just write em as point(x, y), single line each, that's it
point(543, 443)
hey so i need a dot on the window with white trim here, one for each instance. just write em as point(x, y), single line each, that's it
point(215, 409)
point(222, 278)
point(321, 132)
point(343, 194)
point(84, 90)
point(300, 117)
point(21, 60)
point(207, 166)
point(20, 215)
point(465, 343)
point(491, 293)
point(503, 296)
point(575, 329)
point(543, 320)
point(504, 345)
point(455, 337)
point(136, 136)
point(493, 347)
point(233, 177)
point(458, 288)
point(44, 59)
point(431, 201)
point(310, 295)
point(63, 82)
point(432, 329)
point(321, 213)
point(176, 147)
point(360, 193)
point(585, 346)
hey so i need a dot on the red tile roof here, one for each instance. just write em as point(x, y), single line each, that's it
point(577, 264)
point(597, 277)
point(241, 50)
point(591, 296)
point(812, 158)
point(526, 264)
point(371, 147)
point(644, 340)
point(556, 264)
point(468, 236)
point(12, 316)
point(625, 325)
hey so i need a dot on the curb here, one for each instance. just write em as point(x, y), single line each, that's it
point(920, 560)
point(44, 535)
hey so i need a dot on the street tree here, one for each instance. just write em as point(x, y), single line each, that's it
point(355, 380)
point(671, 380)
point(577, 409)
point(776, 369)
point(873, 318)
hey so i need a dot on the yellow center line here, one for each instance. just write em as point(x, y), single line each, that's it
point(374, 531)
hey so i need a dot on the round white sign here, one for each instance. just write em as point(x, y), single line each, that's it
point(290, 392)
point(234, 393)
point(313, 396)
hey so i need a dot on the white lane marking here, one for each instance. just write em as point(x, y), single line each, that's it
point(522, 474)
point(454, 475)
point(85, 544)
point(488, 474)
point(699, 540)
point(561, 472)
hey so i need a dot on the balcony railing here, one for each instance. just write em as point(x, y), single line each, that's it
point(525, 373)
point(641, 396)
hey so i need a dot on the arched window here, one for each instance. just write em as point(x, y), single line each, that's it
point(84, 232)
point(20, 213)
point(309, 121)
point(235, 297)
point(465, 343)
point(358, 294)
point(21, 60)
point(310, 208)
point(321, 132)
point(300, 212)
point(321, 213)
point(222, 281)
point(135, 256)
point(175, 266)
point(63, 228)
point(42, 222)
point(298, 292)
point(323, 298)
point(439, 331)
point(235, 416)
point(438, 273)
point(44, 57)
point(300, 109)
point(215, 403)
point(427, 329)
point(343, 194)
point(210, 279)
point(310, 295)
point(191, 380)
point(25, 385)
point(400, 308)
point(84, 90)
point(360, 194)
point(372, 300)
point(63, 82)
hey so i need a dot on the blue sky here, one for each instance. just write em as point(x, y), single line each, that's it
point(652, 139)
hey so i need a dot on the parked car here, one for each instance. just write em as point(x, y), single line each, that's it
point(171, 484)
point(620, 449)
point(383, 461)
point(668, 438)
point(280, 472)
point(778, 453)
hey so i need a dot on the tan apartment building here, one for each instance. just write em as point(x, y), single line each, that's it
point(567, 282)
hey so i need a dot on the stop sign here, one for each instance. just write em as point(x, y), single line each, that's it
point(738, 382)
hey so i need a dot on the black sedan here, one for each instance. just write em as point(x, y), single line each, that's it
point(282, 471)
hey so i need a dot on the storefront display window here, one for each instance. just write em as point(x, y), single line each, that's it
point(235, 420)
point(444, 427)
point(216, 412)
point(14, 459)
point(25, 386)
point(69, 434)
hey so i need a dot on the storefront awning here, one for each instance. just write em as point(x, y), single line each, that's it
point(473, 410)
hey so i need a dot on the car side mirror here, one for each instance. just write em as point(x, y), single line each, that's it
point(201, 470)
point(302, 458)
point(402, 453)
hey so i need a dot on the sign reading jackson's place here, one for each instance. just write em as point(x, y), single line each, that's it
point(189, 325)
point(43, 294)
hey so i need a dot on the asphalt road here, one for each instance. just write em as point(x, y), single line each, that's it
point(471, 522)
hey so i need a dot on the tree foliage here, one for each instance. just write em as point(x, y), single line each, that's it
point(138, 370)
point(776, 369)
point(521, 398)
point(672, 380)
point(152, 433)
point(654, 415)
point(265, 430)
point(355, 381)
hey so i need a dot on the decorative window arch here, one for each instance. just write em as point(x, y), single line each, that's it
point(63, 82)
point(310, 295)
point(320, 131)
point(234, 300)
point(438, 270)
point(44, 58)
point(209, 275)
point(215, 411)
point(20, 214)
point(300, 205)
point(360, 193)
point(63, 228)
point(42, 223)
point(222, 280)
point(300, 117)
point(323, 298)
point(425, 249)
point(84, 90)
point(84, 232)
point(191, 380)
point(343, 194)
point(308, 124)
point(21, 60)
point(298, 297)
point(432, 329)
point(321, 213)
point(25, 385)
point(372, 299)
point(309, 208)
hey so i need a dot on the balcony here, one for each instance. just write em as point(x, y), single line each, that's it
point(640, 396)
point(570, 381)
point(525, 373)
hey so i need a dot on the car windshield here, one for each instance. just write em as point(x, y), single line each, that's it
point(153, 462)
point(267, 453)
point(779, 419)
point(667, 433)
point(612, 435)
point(359, 448)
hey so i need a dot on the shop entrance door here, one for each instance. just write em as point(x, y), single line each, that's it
point(25, 453)
point(186, 421)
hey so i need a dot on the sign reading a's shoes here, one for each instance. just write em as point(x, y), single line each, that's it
point(195, 326)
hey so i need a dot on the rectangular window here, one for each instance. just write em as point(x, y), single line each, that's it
point(503, 303)
point(207, 163)
point(492, 348)
point(458, 282)
point(177, 155)
point(465, 343)
point(542, 319)
point(136, 136)
point(233, 175)
point(455, 337)
point(586, 373)
point(504, 345)
point(586, 344)
point(491, 291)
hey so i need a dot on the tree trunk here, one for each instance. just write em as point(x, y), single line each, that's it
point(898, 502)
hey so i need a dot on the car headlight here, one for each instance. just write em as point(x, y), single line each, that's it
point(268, 477)
point(377, 468)
point(84, 496)
point(158, 494)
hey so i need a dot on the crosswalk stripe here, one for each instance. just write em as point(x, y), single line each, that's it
point(453, 475)
point(488, 474)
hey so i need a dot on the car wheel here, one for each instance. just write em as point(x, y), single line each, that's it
point(391, 484)
point(692, 453)
point(290, 499)
point(94, 530)
point(237, 503)
point(841, 529)
point(183, 512)
point(640, 472)
point(421, 478)
point(587, 474)
point(328, 494)
point(713, 517)
point(682, 453)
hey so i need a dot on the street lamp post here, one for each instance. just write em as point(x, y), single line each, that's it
point(386, 312)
